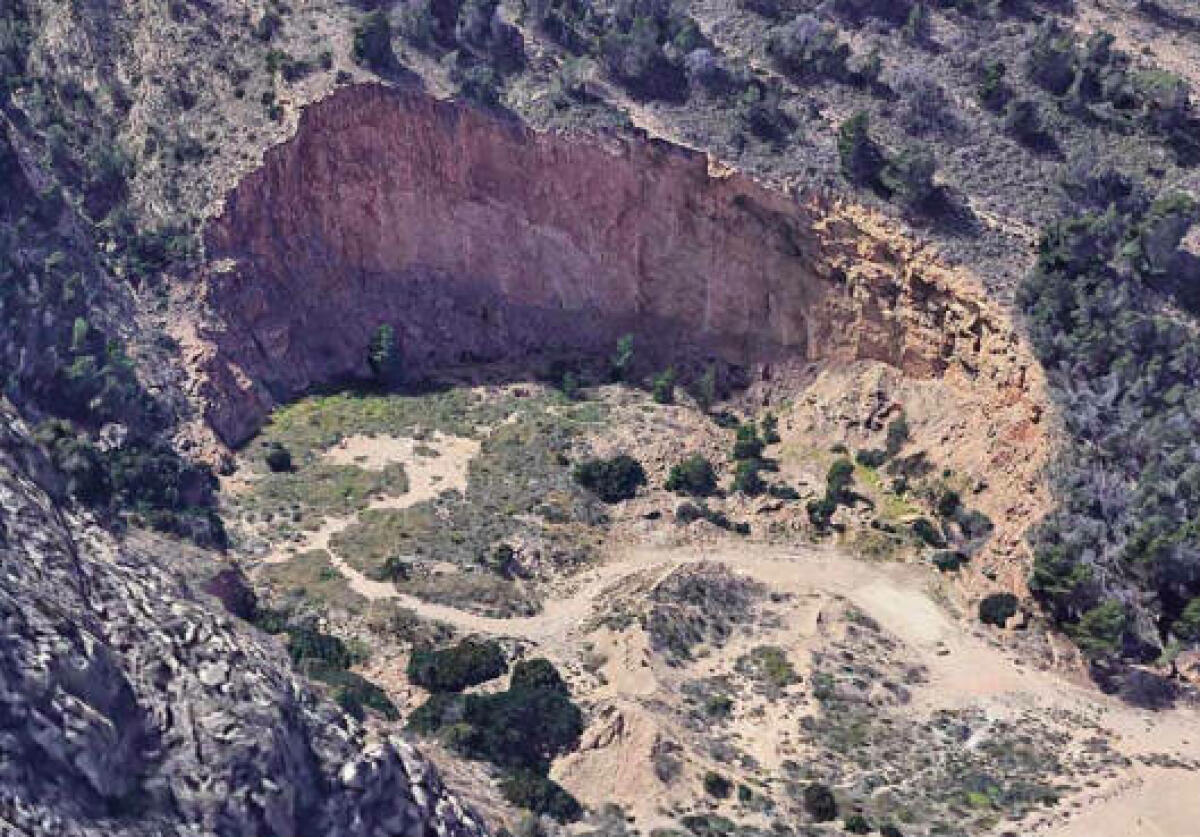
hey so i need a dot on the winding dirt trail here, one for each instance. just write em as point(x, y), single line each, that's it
point(432, 466)
point(964, 669)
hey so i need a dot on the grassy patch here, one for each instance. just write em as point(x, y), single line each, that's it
point(319, 489)
point(311, 576)
point(768, 665)
point(519, 490)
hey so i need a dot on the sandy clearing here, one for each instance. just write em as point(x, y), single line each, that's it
point(435, 464)
point(964, 670)
point(428, 477)
point(1156, 802)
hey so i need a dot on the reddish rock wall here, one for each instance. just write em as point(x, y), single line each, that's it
point(481, 240)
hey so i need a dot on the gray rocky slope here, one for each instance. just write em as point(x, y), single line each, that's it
point(130, 704)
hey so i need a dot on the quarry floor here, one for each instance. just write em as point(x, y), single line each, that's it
point(966, 668)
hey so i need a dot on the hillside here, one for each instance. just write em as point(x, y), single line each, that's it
point(705, 417)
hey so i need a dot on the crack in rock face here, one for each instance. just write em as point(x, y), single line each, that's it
point(478, 240)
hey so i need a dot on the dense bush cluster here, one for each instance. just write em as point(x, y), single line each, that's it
point(612, 480)
point(694, 476)
point(997, 608)
point(456, 667)
point(521, 730)
point(807, 47)
point(652, 48)
point(1118, 562)
point(838, 492)
point(750, 464)
point(1096, 80)
point(327, 659)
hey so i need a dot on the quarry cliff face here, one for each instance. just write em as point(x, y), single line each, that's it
point(480, 240)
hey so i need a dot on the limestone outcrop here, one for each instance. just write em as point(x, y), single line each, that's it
point(132, 705)
point(480, 240)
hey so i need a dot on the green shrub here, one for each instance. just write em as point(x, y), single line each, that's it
point(383, 355)
point(870, 458)
point(1155, 246)
point(910, 178)
point(820, 803)
point(1100, 630)
point(1023, 119)
point(857, 824)
point(373, 42)
point(705, 390)
point(1187, 626)
point(949, 561)
point(861, 158)
point(769, 664)
point(480, 28)
point(478, 83)
point(993, 93)
point(664, 387)
point(948, 504)
point(820, 512)
point(717, 786)
point(278, 458)
point(537, 793)
point(621, 363)
point(636, 59)
point(747, 445)
point(770, 429)
point(688, 512)
point(997, 608)
point(838, 481)
point(456, 667)
point(570, 386)
point(306, 643)
point(807, 47)
point(694, 476)
point(928, 533)
point(612, 480)
point(1052, 58)
point(522, 728)
point(782, 491)
point(747, 478)
point(351, 691)
point(718, 706)
point(538, 673)
point(974, 524)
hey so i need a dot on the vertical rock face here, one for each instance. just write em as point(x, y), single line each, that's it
point(480, 240)
point(130, 706)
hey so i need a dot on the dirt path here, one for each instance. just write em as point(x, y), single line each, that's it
point(964, 669)
point(432, 466)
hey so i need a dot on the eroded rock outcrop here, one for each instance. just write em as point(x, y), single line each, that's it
point(130, 705)
point(481, 240)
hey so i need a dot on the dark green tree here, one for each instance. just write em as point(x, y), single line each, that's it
point(862, 160)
